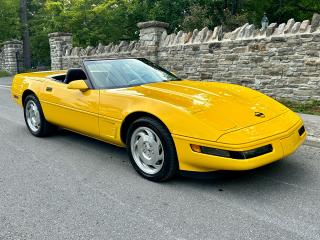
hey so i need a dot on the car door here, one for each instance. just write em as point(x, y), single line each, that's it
point(70, 108)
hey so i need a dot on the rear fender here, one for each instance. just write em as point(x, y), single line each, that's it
point(21, 84)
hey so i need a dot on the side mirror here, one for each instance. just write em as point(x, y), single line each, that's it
point(79, 85)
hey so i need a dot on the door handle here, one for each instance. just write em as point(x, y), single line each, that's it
point(49, 89)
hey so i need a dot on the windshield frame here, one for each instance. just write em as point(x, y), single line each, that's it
point(144, 60)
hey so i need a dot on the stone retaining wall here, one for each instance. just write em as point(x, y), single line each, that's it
point(282, 61)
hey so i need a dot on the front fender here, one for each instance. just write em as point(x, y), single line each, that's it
point(178, 120)
point(117, 105)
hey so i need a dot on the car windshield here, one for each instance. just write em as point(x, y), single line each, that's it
point(119, 73)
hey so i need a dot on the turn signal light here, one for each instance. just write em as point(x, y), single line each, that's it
point(195, 148)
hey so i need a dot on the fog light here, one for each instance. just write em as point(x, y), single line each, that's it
point(302, 131)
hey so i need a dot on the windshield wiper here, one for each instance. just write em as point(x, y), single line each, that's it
point(172, 80)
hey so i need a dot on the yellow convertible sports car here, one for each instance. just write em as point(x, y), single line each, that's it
point(167, 124)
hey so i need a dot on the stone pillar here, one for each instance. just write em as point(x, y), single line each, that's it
point(59, 42)
point(12, 56)
point(150, 36)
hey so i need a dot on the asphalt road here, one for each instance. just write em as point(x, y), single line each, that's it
point(71, 187)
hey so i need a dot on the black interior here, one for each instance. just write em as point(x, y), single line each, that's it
point(59, 78)
point(75, 74)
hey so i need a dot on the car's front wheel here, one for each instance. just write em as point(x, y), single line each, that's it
point(34, 117)
point(151, 150)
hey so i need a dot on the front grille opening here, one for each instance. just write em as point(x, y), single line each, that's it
point(301, 131)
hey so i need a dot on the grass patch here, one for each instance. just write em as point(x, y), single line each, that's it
point(4, 74)
point(309, 107)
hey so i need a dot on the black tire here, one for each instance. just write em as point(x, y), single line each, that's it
point(45, 128)
point(170, 164)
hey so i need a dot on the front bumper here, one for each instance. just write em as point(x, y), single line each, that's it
point(283, 145)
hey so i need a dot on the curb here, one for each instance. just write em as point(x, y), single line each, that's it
point(311, 123)
point(312, 142)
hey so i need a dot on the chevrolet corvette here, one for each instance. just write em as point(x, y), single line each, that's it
point(167, 124)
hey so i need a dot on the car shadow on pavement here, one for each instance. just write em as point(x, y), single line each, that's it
point(88, 141)
point(273, 176)
point(271, 170)
point(282, 176)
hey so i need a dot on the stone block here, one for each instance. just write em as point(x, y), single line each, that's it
point(315, 23)
point(304, 26)
point(206, 76)
point(248, 31)
point(194, 35)
point(202, 35)
point(217, 33)
point(240, 49)
point(231, 57)
point(178, 37)
point(187, 37)
point(312, 62)
point(242, 31)
point(257, 47)
point(279, 30)
point(289, 26)
point(256, 59)
point(278, 39)
point(235, 33)
point(209, 35)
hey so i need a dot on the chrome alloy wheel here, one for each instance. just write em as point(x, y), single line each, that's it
point(33, 116)
point(147, 150)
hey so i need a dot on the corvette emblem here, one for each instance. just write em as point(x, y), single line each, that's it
point(259, 114)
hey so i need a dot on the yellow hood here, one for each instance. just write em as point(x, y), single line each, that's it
point(220, 105)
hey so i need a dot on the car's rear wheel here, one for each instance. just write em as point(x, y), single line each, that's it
point(34, 118)
point(151, 150)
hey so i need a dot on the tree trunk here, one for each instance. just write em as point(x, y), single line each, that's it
point(280, 11)
point(25, 35)
point(234, 7)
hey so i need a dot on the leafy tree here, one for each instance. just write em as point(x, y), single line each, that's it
point(9, 20)
point(198, 18)
point(105, 21)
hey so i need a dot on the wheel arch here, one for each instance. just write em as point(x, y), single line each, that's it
point(26, 93)
point(130, 118)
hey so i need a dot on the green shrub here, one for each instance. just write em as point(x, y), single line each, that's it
point(4, 73)
point(308, 107)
